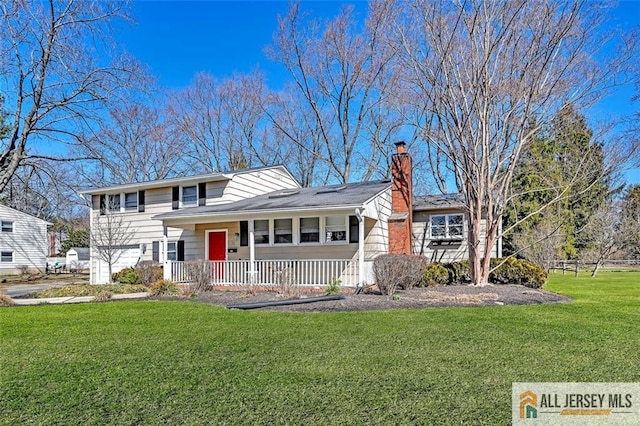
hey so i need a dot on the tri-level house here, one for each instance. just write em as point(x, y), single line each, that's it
point(258, 226)
point(23, 242)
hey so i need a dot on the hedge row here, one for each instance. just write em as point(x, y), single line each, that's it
point(394, 271)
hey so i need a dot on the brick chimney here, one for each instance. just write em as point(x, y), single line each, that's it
point(401, 218)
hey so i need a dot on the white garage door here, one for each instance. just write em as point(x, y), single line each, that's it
point(129, 256)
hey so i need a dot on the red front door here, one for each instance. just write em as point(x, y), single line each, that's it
point(217, 245)
point(218, 252)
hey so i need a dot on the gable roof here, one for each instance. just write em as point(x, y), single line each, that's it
point(13, 211)
point(438, 202)
point(349, 195)
point(160, 183)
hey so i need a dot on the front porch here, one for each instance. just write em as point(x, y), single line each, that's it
point(303, 273)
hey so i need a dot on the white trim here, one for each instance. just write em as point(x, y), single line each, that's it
point(447, 236)
point(226, 241)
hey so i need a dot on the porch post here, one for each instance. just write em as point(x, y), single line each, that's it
point(360, 217)
point(252, 251)
point(166, 269)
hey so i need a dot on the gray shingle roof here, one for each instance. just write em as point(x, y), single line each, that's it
point(441, 201)
point(338, 196)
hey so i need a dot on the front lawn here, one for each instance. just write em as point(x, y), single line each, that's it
point(180, 362)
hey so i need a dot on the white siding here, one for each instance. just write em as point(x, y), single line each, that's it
point(158, 200)
point(377, 211)
point(27, 241)
point(441, 251)
point(250, 184)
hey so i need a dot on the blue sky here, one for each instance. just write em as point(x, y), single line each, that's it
point(177, 39)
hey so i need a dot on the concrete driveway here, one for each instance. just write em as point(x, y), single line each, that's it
point(20, 290)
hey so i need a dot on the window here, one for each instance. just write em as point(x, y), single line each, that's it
point(447, 227)
point(131, 201)
point(6, 256)
point(114, 203)
point(172, 250)
point(354, 229)
point(189, 195)
point(261, 231)
point(7, 226)
point(335, 229)
point(283, 231)
point(310, 230)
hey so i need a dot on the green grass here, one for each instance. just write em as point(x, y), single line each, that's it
point(188, 363)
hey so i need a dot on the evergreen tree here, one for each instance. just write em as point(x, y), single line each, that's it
point(630, 222)
point(560, 180)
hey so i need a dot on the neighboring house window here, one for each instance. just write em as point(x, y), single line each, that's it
point(6, 256)
point(261, 231)
point(283, 231)
point(7, 226)
point(189, 195)
point(310, 230)
point(131, 201)
point(335, 229)
point(449, 226)
point(114, 203)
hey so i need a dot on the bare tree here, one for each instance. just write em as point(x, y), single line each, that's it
point(53, 74)
point(604, 227)
point(485, 76)
point(345, 76)
point(542, 243)
point(109, 233)
point(224, 122)
point(133, 145)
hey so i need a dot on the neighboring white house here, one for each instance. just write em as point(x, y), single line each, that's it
point(260, 226)
point(23, 241)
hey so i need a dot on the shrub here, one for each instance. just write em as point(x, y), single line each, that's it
point(333, 287)
point(459, 272)
point(434, 274)
point(164, 288)
point(24, 269)
point(517, 271)
point(149, 272)
point(126, 276)
point(6, 300)
point(393, 271)
point(200, 273)
point(91, 290)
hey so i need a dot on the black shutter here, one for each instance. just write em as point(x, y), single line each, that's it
point(180, 253)
point(103, 204)
point(175, 197)
point(155, 251)
point(140, 201)
point(202, 194)
point(244, 233)
point(354, 229)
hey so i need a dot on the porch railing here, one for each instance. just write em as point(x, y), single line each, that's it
point(269, 273)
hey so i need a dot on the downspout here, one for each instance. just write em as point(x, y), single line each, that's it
point(166, 270)
point(252, 252)
point(359, 214)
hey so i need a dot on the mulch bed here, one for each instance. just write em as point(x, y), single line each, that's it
point(492, 295)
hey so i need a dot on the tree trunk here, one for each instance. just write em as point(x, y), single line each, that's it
point(595, 269)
